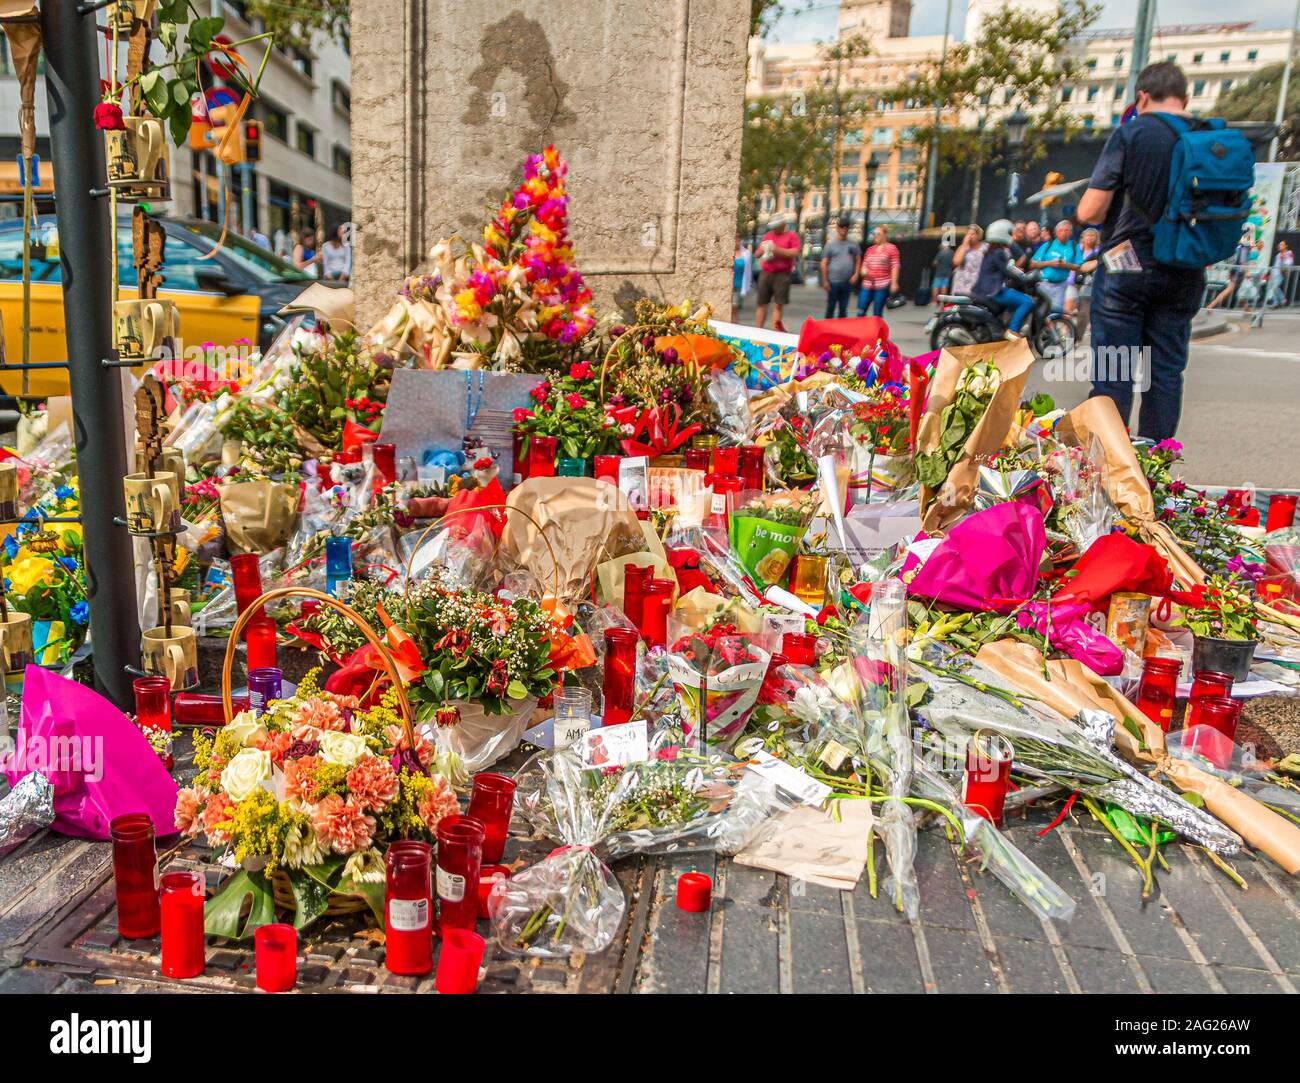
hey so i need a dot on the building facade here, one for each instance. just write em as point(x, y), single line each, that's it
point(1215, 56)
point(305, 108)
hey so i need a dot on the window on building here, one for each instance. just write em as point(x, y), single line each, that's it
point(1198, 88)
point(1197, 57)
point(1119, 60)
point(816, 203)
point(342, 160)
point(849, 199)
point(1066, 93)
point(1092, 93)
point(306, 139)
point(1087, 123)
point(1224, 57)
point(906, 178)
point(1172, 58)
point(1118, 92)
point(1227, 86)
point(274, 121)
point(851, 158)
point(848, 180)
point(302, 62)
point(1092, 63)
point(882, 137)
point(907, 156)
point(787, 203)
point(341, 97)
point(853, 137)
point(1252, 56)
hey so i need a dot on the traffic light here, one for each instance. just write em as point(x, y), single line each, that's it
point(252, 140)
point(230, 151)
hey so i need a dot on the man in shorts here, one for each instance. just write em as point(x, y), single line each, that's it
point(777, 254)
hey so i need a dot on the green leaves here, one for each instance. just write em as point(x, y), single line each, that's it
point(310, 896)
point(221, 913)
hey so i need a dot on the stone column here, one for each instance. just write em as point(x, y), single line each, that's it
point(644, 98)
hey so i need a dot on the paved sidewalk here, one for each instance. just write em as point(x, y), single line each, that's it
point(766, 933)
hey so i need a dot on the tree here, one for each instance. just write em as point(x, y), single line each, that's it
point(296, 23)
point(1256, 99)
point(1021, 61)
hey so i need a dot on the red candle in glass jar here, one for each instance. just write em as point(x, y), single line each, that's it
point(751, 466)
point(988, 775)
point(260, 635)
point(491, 803)
point(541, 456)
point(1215, 729)
point(460, 859)
point(247, 576)
point(518, 457)
point(488, 877)
point(408, 908)
point(800, 648)
point(726, 460)
point(654, 611)
point(198, 709)
point(606, 468)
point(182, 924)
point(697, 458)
point(723, 486)
point(619, 689)
point(1158, 690)
point(275, 957)
point(153, 706)
point(635, 581)
point(1281, 512)
point(135, 876)
point(459, 961)
point(1206, 684)
point(384, 456)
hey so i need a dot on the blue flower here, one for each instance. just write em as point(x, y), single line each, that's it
point(67, 563)
point(11, 547)
point(80, 613)
point(63, 492)
point(9, 585)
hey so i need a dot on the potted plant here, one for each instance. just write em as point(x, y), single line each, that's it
point(1224, 623)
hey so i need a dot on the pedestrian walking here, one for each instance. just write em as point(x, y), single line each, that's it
point(941, 271)
point(840, 270)
point(1279, 279)
point(966, 261)
point(880, 268)
point(742, 278)
point(777, 253)
point(1078, 295)
point(1058, 258)
point(305, 256)
point(1142, 309)
point(1236, 271)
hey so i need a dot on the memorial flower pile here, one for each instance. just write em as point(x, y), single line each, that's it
point(44, 573)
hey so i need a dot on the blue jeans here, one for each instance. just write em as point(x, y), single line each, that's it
point(1146, 314)
point(875, 296)
point(1021, 304)
point(837, 299)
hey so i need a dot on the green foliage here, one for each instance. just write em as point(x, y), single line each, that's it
point(295, 24)
point(1256, 99)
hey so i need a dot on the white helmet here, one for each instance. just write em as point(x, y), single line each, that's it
point(999, 232)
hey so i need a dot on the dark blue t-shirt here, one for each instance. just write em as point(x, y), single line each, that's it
point(1134, 165)
point(993, 271)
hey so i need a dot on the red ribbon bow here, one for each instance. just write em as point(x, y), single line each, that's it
point(656, 431)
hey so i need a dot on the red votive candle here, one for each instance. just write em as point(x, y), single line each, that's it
point(198, 709)
point(541, 456)
point(654, 611)
point(518, 457)
point(182, 924)
point(694, 892)
point(697, 458)
point(988, 775)
point(260, 636)
point(723, 486)
point(800, 648)
point(460, 859)
point(606, 468)
point(153, 706)
point(459, 961)
point(619, 689)
point(135, 876)
point(1281, 512)
point(490, 803)
point(1215, 729)
point(726, 460)
point(1206, 684)
point(635, 581)
point(275, 957)
point(247, 575)
point(1158, 689)
point(408, 908)
point(487, 880)
point(751, 466)
point(384, 456)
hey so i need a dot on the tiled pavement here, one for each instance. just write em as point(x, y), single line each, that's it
point(765, 933)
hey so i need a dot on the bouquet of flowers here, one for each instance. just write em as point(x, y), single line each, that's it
point(570, 901)
point(1221, 609)
point(311, 790)
point(662, 364)
point(1201, 523)
point(765, 531)
point(717, 674)
point(976, 387)
point(569, 409)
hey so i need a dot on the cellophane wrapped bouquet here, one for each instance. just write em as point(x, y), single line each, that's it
point(717, 674)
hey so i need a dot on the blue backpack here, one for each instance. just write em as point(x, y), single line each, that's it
point(1211, 174)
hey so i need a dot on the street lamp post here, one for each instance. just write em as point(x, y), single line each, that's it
point(873, 164)
point(1017, 125)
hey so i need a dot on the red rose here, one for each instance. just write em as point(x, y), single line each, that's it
point(108, 117)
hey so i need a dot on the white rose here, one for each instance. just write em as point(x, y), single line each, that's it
point(342, 748)
point(246, 727)
point(246, 772)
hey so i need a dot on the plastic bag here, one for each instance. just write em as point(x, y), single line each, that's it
point(730, 399)
point(1078, 480)
point(717, 677)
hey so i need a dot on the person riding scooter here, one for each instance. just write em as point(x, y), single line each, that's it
point(997, 267)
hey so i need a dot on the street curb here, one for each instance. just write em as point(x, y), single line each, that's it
point(1206, 324)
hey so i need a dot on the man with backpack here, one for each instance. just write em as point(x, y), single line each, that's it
point(1171, 193)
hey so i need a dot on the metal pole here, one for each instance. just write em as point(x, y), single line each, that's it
point(246, 197)
point(87, 253)
point(1146, 17)
point(830, 164)
point(932, 159)
point(1286, 83)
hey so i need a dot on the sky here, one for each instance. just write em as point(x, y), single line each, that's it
point(815, 20)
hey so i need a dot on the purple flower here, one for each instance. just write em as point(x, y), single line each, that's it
point(1169, 445)
point(669, 356)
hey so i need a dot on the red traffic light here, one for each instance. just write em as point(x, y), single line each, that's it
point(252, 140)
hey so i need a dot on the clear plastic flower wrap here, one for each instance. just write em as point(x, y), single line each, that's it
point(730, 401)
point(570, 901)
point(717, 675)
point(1078, 480)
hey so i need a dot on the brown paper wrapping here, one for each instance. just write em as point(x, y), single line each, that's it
point(25, 50)
point(808, 844)
point(259, 515)
point(585, 521)
point(775, 397)
point(1073, 686)
point(610, 574)
point(1013, 359)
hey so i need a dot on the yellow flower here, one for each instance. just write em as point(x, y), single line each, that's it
point(27, 572)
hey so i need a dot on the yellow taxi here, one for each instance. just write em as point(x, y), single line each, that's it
point(233, 295)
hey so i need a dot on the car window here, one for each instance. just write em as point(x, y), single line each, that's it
point(262, 265)
point(45, 259)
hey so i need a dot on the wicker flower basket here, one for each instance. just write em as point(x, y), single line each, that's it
point(339, 903)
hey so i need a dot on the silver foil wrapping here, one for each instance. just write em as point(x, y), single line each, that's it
point(27, 808)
